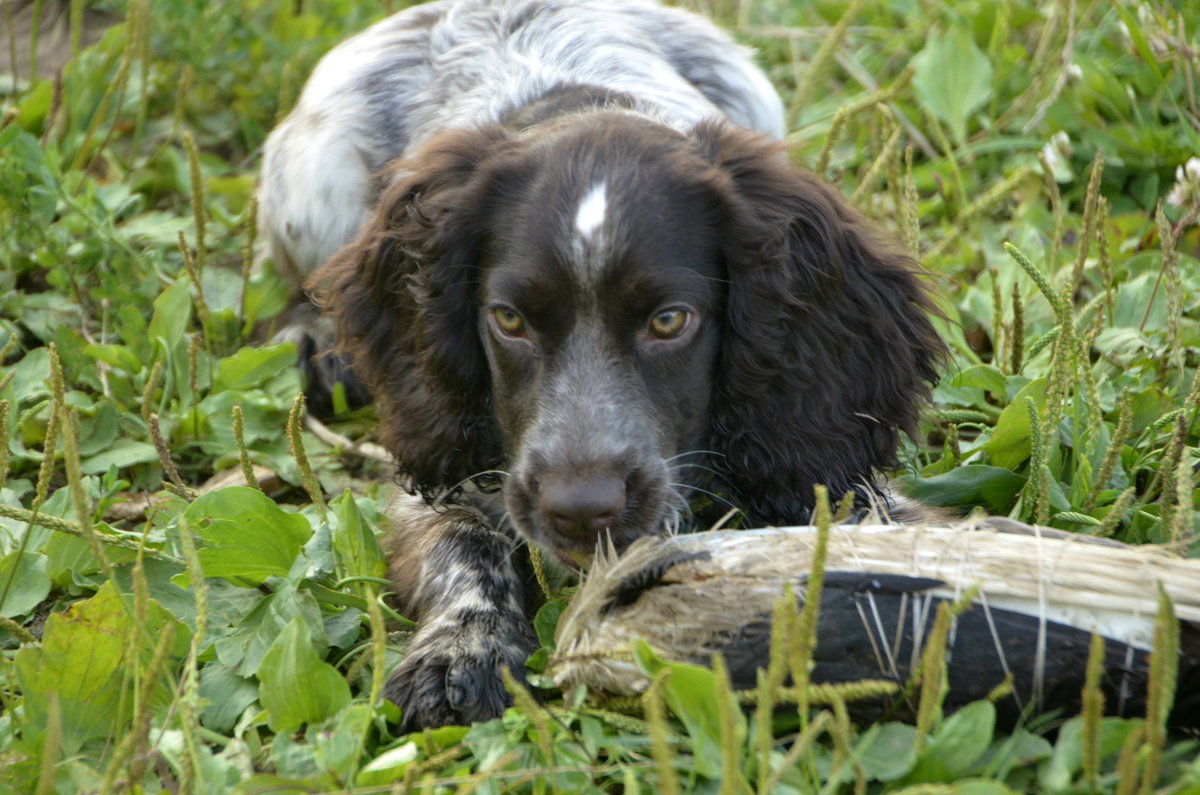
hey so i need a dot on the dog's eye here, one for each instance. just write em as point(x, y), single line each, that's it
point(509, 321)
point(668, 323)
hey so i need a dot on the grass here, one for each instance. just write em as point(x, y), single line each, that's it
point(163, 632)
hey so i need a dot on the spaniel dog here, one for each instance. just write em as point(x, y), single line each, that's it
point(563, 248)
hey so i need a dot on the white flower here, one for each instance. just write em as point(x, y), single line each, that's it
point(1057, 149)
point(1186, 191)
point(1074, 73)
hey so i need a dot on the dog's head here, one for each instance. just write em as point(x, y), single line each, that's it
point(611, 311)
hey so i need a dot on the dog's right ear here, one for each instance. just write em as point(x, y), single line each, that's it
point(402, 295)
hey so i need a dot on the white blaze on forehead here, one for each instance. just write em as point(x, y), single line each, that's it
point(592, 211)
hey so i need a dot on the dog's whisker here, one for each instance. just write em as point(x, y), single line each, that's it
point(716, 497)
point(687, 453)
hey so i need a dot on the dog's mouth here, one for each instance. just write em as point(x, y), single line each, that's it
point(575, 560)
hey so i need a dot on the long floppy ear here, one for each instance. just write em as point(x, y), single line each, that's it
point(402, 297)
point(828, 351)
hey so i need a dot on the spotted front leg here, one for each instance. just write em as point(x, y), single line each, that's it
point(458, 577)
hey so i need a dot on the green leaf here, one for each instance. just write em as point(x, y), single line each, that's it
point(227, 695)
point(172, 313)
point(1057, 772)
point(252, 367)
point(975, 484)
point(295, 685)
point(691, 693)
point(388, 766)
point(355, 547)
point(246, 642)
point(116, 355)
point(122, 453)
point(982, 376)
point(1138, 38)
point(98, 432)
point(979, 786)
point(546, 621)
point(30, 377)
point(953, 78)
point(887, 751)
point(246, 534)
point(1010, 444)
point(82, 659)
point(963, 738)
point(24, 574)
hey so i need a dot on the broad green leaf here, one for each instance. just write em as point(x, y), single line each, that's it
point(953, 78)
point(265, 296)
point(983, 376)
point(1018, 749)
point(172, 313)
point(246, 534)
point(355, 547)
point(295, 685)
point(24, 576)
point(1057, 772)
point(546, 621)
point(1011, 442)
point(99, 431)
point(30, 377)
point(80, 659)
point(156, 228)
point(887, 751)
point(963, 738)
point(227, 695)
point(246, 642)
point(975, 484)
point(83, 657)
point(388, 766)
point(251, 367)
point(336, 746)
point(691, 693)
point(122, 453)
point(117, 356)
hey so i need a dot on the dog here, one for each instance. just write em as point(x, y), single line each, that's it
point(562, 245)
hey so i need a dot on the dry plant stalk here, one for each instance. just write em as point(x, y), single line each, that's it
point(727, 715)
point(661, 749)
point(537, 716)
point(1056, 208)
point(189, 702)
point(174, 482)
point(83, 508)
point(1093, 708)
point(1109, 463)
point(196, 178)
point(296, 442)
point(1016, 335)
point(910, 210)
point(822, 60)
point(248, 240)
point(3, 447)
point(192, 266)
point(1091, 214)
point(1164, 661)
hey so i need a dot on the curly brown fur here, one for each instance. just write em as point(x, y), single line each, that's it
point(582, 291)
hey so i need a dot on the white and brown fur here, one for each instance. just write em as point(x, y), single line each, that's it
point(509, 201)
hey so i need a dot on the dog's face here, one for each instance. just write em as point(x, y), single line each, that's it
point(600, 311)
point(610, 311)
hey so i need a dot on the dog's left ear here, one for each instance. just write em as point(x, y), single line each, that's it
point(828, 351)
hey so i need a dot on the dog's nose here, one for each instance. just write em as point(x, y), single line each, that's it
point(581, 507)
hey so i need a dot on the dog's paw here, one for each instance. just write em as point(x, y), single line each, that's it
point(451, 675)
point(326, 371)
